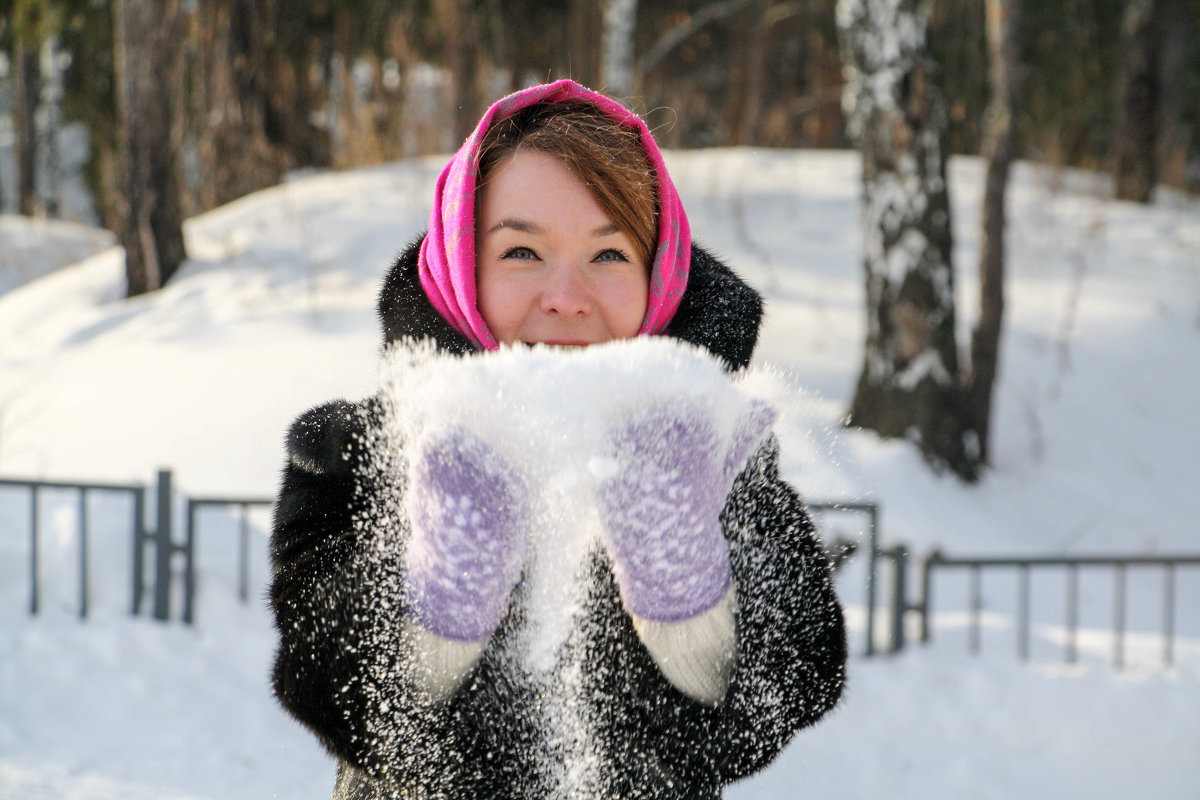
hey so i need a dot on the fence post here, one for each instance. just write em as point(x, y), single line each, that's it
point(139, 550)
point(33, 550)
point(926, 601)
point(1119, 616)
point(1168, 614)
point(899, 556)
point(872, 566)
point(189, 575)
point(83, 554)
point(162, 546)
point(244, 556)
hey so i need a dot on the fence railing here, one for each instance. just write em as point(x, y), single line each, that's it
point(37, 489)
point(890, 566)
point(874, 554)
point(194, 506)
point(1070, 565)
point(158, 545)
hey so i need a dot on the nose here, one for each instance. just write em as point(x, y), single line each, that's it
point(565, 292)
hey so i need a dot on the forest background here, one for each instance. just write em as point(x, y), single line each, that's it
point(186, 105)
point(266, 87)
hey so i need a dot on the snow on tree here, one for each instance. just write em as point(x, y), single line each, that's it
point(616, 65)
point(909, 383)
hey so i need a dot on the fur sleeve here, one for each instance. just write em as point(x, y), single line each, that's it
point(789, 668)
point(336, 547)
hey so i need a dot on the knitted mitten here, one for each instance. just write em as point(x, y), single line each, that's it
point(661, 508)
point(470, 516)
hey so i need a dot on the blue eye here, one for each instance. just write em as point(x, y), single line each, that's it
point(520, 253)
point(611, 255)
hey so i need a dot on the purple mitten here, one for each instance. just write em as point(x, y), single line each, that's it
point(470, 516)
point(661, 509)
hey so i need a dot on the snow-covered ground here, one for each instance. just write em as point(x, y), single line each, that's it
point(33, 247)
point(1095, 435)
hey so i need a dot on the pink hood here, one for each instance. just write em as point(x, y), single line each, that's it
point(447, 260)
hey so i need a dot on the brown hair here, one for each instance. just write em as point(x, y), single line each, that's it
point(606, 155)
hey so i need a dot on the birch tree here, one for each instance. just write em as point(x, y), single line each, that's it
point(909, 381)
point(616, 60)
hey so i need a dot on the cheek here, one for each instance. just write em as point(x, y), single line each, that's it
point(628, 301)
point(499, 302)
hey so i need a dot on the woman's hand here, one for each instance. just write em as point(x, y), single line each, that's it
point(470, 519)
point(661, 507)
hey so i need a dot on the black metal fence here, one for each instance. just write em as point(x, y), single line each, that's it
point(194, 506)
point(154, 546)
point(869, 512)
point(160, 547)
point(157, 545)
point(1069, 568)
point(887, 591)
point(140, 535)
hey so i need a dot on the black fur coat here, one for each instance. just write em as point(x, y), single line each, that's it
point(341, 663)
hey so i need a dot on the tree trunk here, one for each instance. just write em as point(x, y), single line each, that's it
point(583, 51)
point(461, 47)
point(616, 67)
point(27, 87)
point(148, 60)
point(1139, 90)
point(343, 91)
point(998, 146)
point(291, 96)
point(909, 384)
point(1179, 27)
point(738, 75)
point(235, 155)
point(756, 67)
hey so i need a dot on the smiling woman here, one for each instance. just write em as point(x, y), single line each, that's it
point(703, 628)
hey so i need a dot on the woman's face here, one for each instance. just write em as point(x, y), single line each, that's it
point(550, 265)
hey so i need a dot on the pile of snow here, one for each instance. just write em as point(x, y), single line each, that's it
point(1094, 440)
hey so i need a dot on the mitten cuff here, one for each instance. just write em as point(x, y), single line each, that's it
point(697, 655)
point(439, 664)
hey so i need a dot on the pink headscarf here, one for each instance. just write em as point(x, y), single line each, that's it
point(447, 261)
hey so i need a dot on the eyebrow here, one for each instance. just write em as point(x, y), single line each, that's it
point(524, 226)
point(516, 225)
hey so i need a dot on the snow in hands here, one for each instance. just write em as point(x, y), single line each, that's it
point(614, 443)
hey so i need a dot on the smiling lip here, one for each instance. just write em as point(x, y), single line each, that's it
point(562, 343)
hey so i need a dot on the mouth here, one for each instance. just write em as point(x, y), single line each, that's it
point(563, 343)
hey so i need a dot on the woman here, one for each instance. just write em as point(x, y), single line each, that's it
point(400, 610)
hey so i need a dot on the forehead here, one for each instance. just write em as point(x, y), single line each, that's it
point(535, 181)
